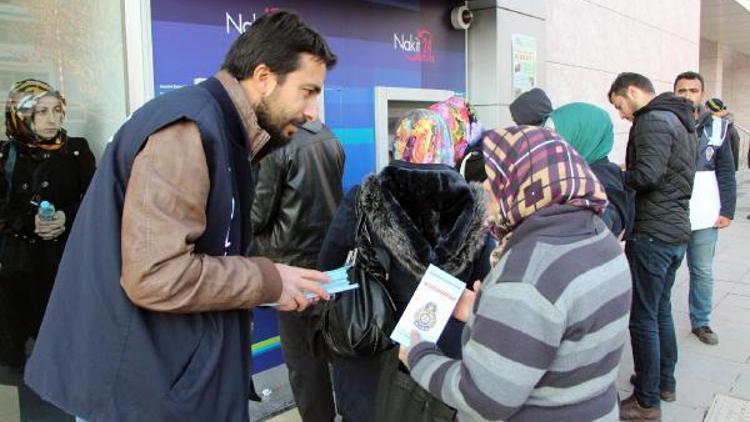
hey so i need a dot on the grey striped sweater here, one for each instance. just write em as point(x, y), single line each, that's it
point(545, 338)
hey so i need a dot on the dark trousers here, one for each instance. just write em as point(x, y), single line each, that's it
point(27, 273)
point(653, 265)
point(308, 374)
point(356, 383)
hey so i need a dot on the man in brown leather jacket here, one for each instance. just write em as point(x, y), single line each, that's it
point(149, 319)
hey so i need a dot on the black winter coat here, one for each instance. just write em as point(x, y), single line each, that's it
point(28, 263)
point(297, 193)
point(660, 159)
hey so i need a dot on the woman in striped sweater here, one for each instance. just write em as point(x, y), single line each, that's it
point(545, 333)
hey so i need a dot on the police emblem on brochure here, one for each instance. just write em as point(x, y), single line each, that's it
point(430, 306)
point(426, 317)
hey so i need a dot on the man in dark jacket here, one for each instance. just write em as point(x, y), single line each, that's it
point(712, 204)
point(149, 317)
point(660, 166)
point(298, 192)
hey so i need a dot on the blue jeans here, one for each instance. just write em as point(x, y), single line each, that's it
point(653, 265)
point(700, 259)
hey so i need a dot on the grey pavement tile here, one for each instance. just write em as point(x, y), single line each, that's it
point(680, 298)
point(722, 288)
point(734, 342)
point(673, 412)
point(9, 404)
point(682, 276)
point(731, 272)
point(693, 364)
point(741, 388)
point(732, 309)
point(698, 393)
point(738, 301)
point(737, 257)
point(742, 289)
point(681, 319)
point(273, 386)
point(288, 416)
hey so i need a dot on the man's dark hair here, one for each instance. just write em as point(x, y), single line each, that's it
point(276, 39)
point(689, 75)
point(627, 79)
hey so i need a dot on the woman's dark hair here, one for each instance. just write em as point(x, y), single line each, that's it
point(627, 79)
point(276, 39)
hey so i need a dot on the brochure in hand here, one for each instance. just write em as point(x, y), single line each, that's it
point(430, 307)
point(338, 283)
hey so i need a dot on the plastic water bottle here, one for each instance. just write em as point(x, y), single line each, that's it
point(46, 211)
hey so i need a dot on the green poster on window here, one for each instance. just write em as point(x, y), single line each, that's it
point(524, 64)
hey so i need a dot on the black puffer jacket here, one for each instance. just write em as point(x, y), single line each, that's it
point(661, 157)
point(298, 192)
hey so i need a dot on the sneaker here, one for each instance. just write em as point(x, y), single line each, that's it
point(706, 335)
point(631, 410)
point(665, 395)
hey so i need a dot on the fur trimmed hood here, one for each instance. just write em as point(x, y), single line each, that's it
point(425, 214)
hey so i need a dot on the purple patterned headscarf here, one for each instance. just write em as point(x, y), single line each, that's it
point(530, 168)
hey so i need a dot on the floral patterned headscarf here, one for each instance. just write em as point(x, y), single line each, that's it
point(19, 114)
point(422, 137)
point(462, 123)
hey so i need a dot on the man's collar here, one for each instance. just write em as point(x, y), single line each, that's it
point(256, 137)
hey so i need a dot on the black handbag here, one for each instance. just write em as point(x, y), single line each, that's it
point(359, 322)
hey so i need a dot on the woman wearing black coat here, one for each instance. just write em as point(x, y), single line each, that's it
point(420, 211)
point(40, 162)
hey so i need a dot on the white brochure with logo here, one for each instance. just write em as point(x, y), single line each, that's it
point(430, 308)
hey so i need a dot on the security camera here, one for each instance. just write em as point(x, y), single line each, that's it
point(461, 17)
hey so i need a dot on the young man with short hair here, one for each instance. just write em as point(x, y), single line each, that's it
point(660, 165)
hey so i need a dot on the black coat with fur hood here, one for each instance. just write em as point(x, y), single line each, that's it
point(420, 214)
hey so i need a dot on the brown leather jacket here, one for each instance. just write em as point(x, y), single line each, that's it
point(163, 216)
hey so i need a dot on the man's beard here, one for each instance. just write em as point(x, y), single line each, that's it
point(274, 125)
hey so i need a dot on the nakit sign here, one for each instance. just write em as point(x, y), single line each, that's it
point(416, 47)
point(241, 25)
